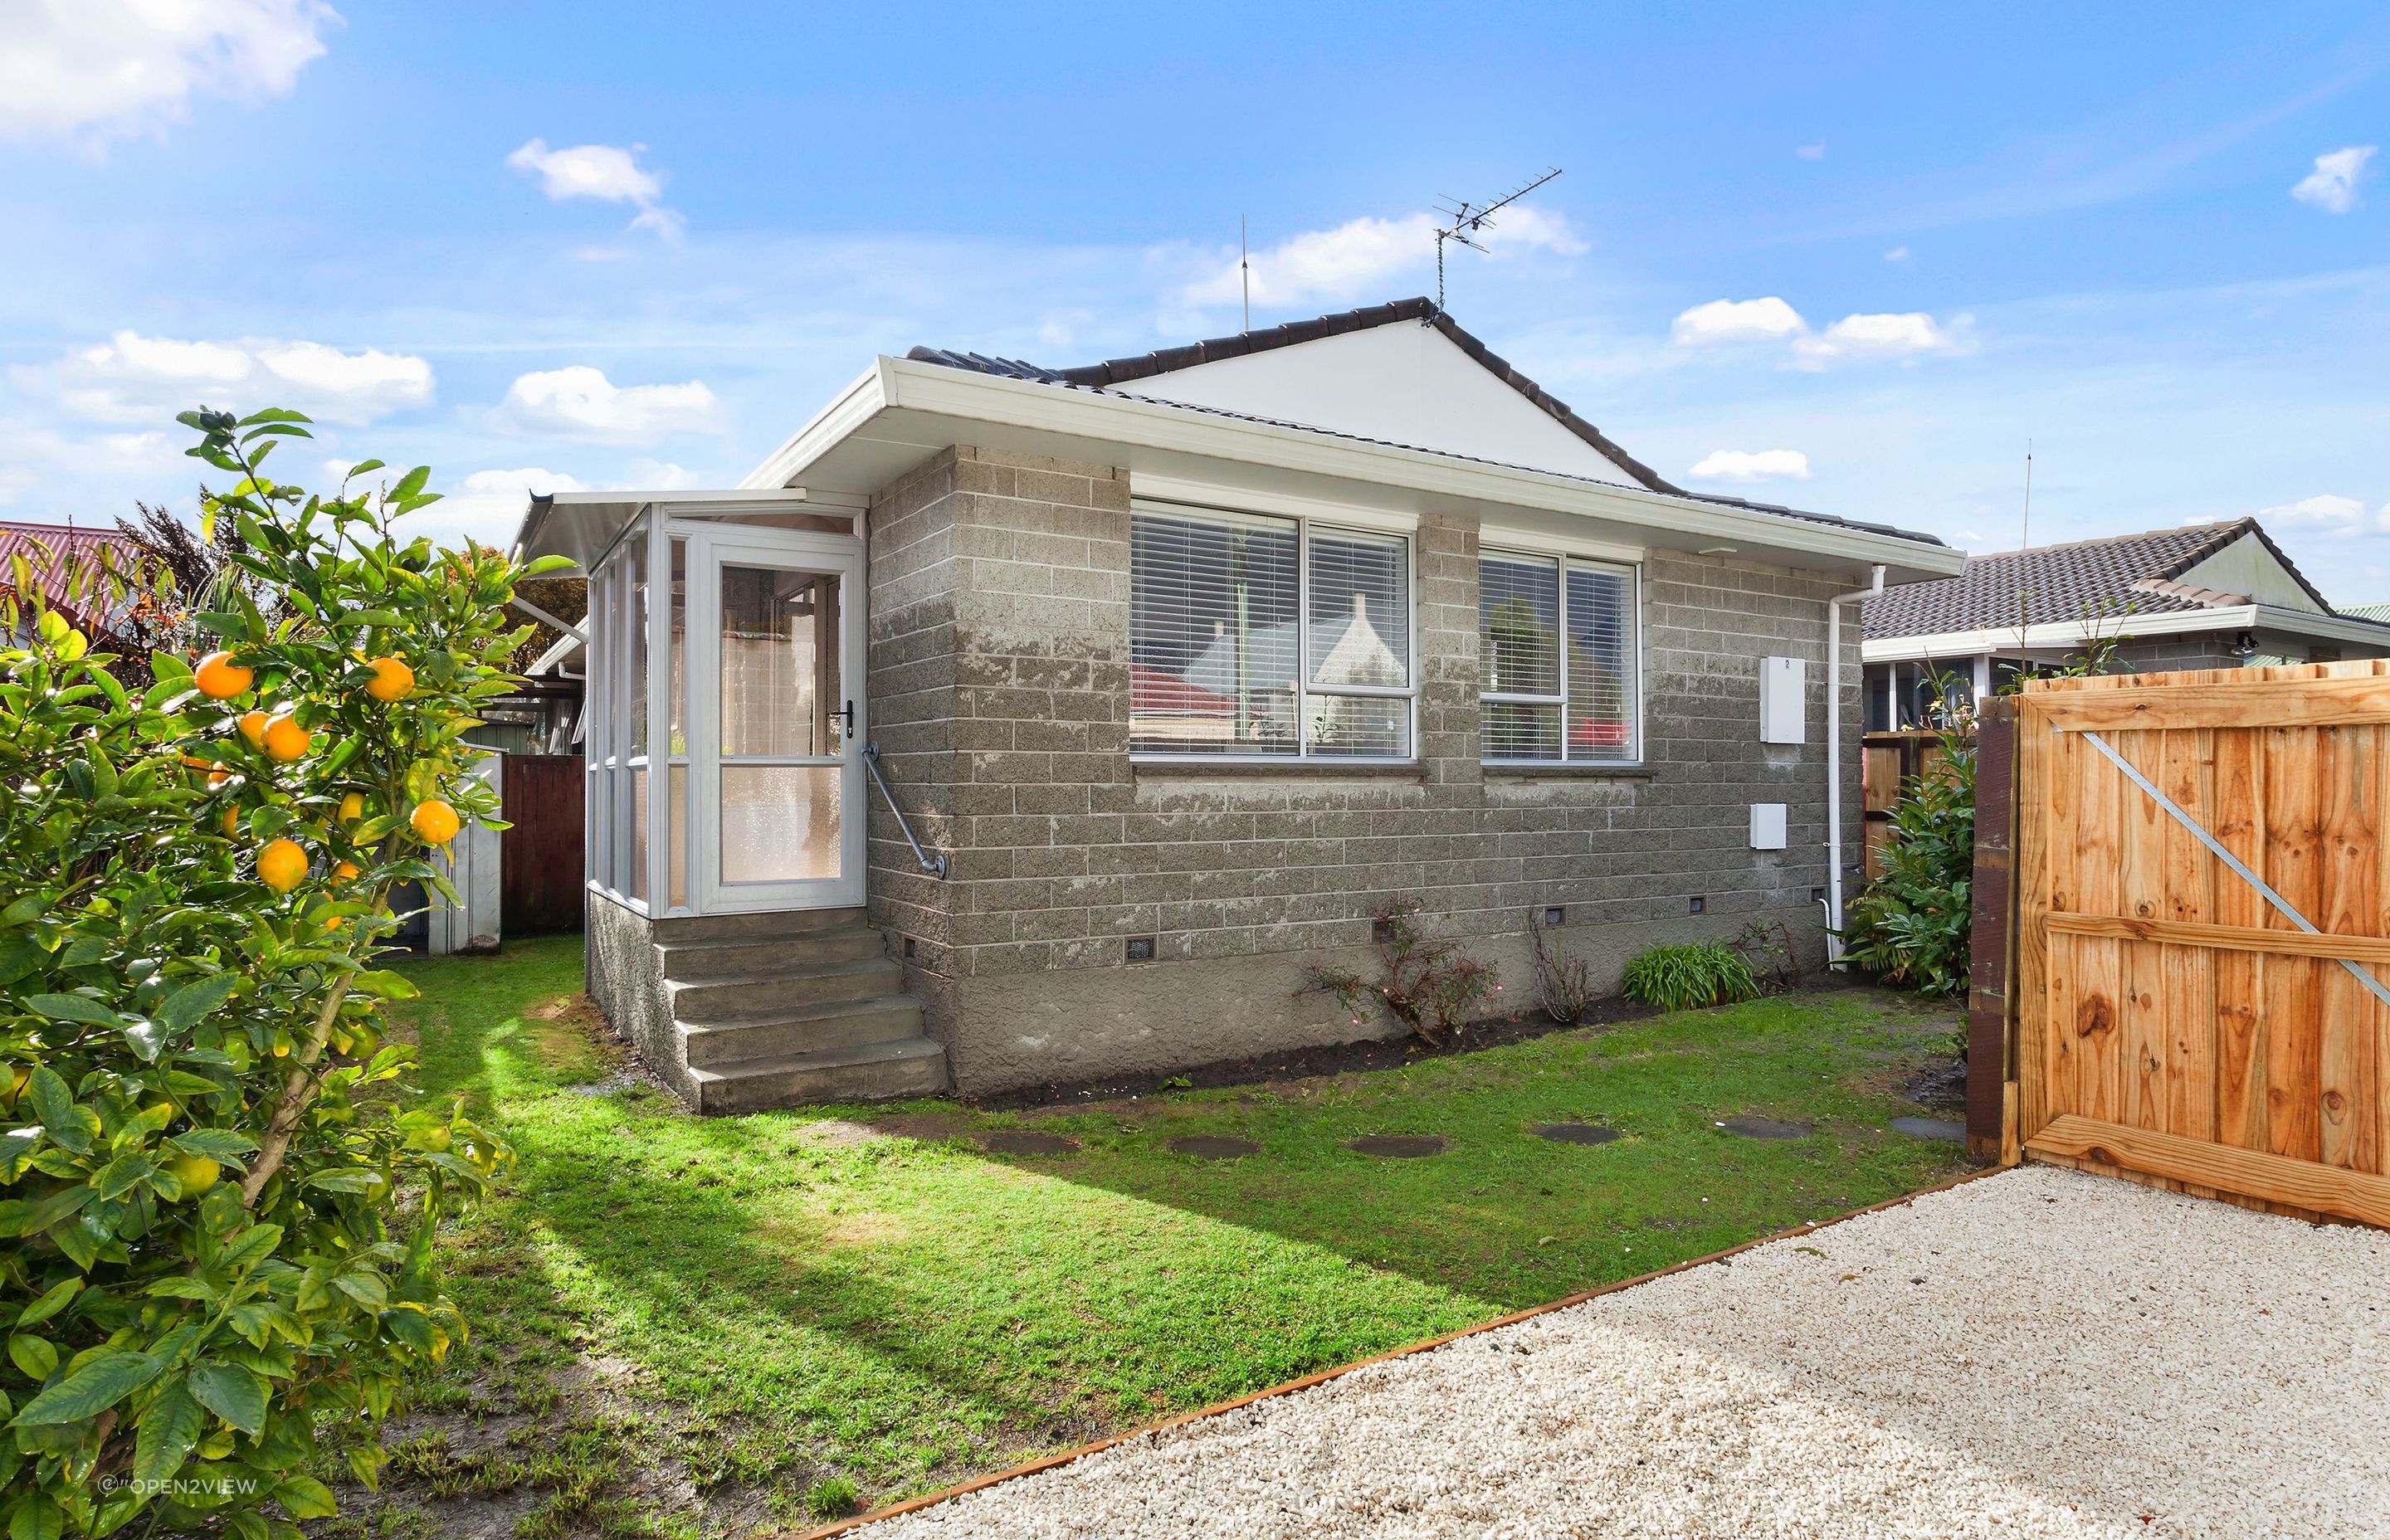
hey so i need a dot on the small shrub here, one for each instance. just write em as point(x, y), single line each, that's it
point(1909, 928)
point(1428, 985)
point(1566, 984)
point(1688, 975)
point(830, 1497)
point(1767, 946)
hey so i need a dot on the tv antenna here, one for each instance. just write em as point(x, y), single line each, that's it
point(1467, 218)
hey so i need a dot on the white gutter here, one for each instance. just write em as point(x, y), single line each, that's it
point(2066, 635)
point(1834, 760)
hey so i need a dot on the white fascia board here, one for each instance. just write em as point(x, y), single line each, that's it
point(869, 393)
point(1099, 417)
point(2071, 633)
point(1146, 487)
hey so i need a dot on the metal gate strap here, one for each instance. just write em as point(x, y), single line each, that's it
point(2240, 866)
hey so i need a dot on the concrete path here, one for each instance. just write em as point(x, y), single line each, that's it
point(2038, 1352)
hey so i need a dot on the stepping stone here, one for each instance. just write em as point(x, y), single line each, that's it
point(1578, 1132)
point(1397, 1146)
point(1764, 1128)
point(1213, 1147)
point(1931, 1128)
point(1026, 1141)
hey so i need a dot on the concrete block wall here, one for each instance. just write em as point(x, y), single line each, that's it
point(999, 679)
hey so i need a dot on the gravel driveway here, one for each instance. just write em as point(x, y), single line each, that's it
point(2039, 1352)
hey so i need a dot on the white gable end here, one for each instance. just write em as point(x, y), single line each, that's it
point(1402, 382)
point(2247, 567)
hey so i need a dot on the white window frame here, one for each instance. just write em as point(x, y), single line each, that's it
point(1633, 571)
point(1305, 690)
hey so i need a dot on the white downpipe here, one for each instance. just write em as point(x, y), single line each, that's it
point(1834, 759)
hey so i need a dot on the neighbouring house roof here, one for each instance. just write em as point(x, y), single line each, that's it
point(56, 554)
point(2103, 580)
point(1111, 375)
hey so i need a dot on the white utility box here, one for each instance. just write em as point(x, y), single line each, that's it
point(1767, 825)
point(1782, 686)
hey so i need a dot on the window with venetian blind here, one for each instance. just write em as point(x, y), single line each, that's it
point(1556, 647)
point(1260, 638)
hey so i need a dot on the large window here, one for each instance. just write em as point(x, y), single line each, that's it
point(1256, 637)
point(1556, 643)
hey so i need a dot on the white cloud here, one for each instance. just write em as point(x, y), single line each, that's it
point(134, 379)
point(1885, 336)
point(1738, 321)
point(1743, 465)
point(2332, 187)
point(1811, 152)
point(610, 173)
point(1355, 260)
point(486, 506)
point(1898, 253)
point(90, 71)
point(2328, 514)
point(579, 402)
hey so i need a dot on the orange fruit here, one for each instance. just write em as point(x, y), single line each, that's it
point(196, 1173)
point(252, 727)
point(392, 680)
point(218, 778)
point(435, 821)
point(352, 807)
point(345, 870)
point(219, 678)
point(285, 739)
point(281, 866)
point(231, 822)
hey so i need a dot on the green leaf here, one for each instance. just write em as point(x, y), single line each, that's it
point(37, 1518)
point(194, 1000)
point(50, 1304)
point(233, 1393)
point(146, 1038)
point(36, 1356)
point(163, 1437)
point(249, 1245)
point(305, 1497)
point(74, 1007)
point(122, 1175)
point(410, 484)
point(105, 1379)
point(216, 1144)
point(18, 957)
point(385, 985)
point(66, 1121)
point(361, 468)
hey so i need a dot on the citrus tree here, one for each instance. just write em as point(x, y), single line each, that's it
point(217, 1198)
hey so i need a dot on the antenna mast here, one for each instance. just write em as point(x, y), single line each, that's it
point(1466, 219)
point(1245, 274)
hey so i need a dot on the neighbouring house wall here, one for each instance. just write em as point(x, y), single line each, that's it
point(2170, 654)
point(999, 677)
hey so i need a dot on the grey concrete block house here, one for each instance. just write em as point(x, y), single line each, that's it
point(1013, 725)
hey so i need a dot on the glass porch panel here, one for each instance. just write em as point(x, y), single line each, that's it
point(676, 658)
point(779, 662)
point(676, 836)
point(780, 823)
point(638, 873)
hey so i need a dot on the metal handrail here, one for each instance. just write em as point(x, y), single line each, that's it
point(933, 863)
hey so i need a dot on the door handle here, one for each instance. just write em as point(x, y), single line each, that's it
point(848, 717)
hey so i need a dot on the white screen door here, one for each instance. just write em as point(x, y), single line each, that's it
point(776, 655)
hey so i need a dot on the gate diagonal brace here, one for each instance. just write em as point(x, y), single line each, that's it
point(2241, 868)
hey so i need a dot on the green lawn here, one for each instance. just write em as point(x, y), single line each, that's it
point(787, 1312)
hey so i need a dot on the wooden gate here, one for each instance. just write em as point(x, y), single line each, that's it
point(541, 865)
point(2177, 1018)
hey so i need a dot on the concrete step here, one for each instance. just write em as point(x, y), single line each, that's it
point(754, 995)
point(871, 1072)
point(703, 961)
point(766, 925)
point(815, 1029)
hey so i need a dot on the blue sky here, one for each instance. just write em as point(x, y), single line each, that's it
point(1851, 259)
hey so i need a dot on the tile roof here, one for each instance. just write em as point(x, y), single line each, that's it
point(56, 554)
point(2125, 574)
point(1113, 373)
